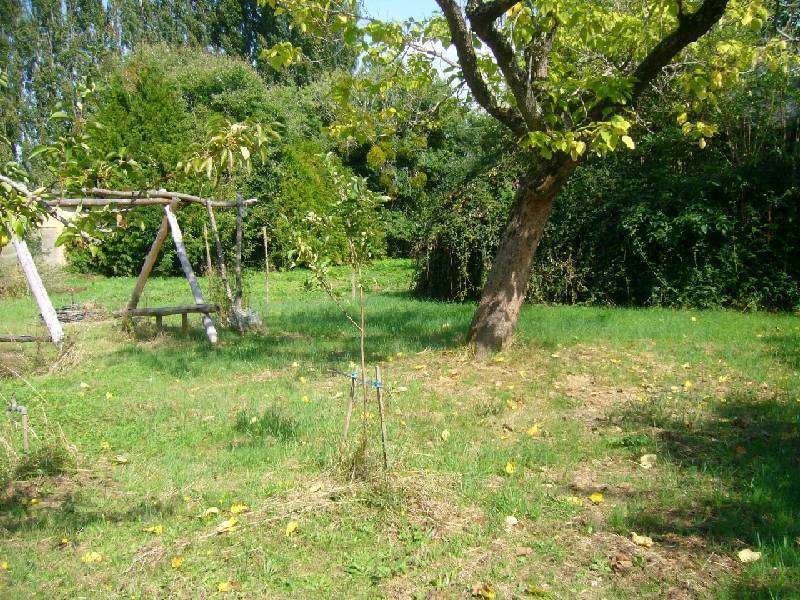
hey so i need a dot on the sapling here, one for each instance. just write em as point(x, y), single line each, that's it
point(353, 215)
point(227, 149)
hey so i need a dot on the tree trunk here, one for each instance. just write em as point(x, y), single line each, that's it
point(501, 299)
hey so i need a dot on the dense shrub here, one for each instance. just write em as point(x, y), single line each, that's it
point(668, 224)
point(155, 103)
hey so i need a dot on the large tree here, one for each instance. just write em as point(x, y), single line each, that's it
point(525, 61)
point(564, 77)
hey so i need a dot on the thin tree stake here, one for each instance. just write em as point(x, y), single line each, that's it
point(363, 362)
point(237, 264)
point(349, 414)
point(25, 442)
point(266, 264)
point(379, 389)
point(220, 255)
point(209, 266)
point(352, 270)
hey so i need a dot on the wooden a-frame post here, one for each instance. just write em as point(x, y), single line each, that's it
point(38, 291)
point(170, 225)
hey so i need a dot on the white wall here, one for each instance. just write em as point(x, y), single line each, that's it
point(50, 254)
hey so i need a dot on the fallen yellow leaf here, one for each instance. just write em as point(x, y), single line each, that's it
point(596, 498)
point(510, 522)
point(176, 562)
point(648, 461)
point(482, 590)
point(445, 435)
point(291, 528)
point(748, 555)
point(105, 446)
point(92, 557)
point(120, 459)
point(227, 526)
point(575, 500)
point(533, 430)
point(238, 509)
point(4, 566)
point(63, 541)
point(510, 468)
point(155, 529)
point(641, 540)
point(212, 510)
point(223, 587)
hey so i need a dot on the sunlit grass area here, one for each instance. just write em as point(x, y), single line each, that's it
point(162, 466)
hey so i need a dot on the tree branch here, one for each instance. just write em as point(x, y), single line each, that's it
point(489, 11)
point(482, 18)
point(691, 27)
point(468, 59)
point(537, 54)
point(31, 199)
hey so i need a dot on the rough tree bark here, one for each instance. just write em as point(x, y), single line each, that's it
point(504, 292)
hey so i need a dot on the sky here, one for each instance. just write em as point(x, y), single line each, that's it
point(400, 9)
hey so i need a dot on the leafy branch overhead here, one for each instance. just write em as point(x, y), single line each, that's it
point(72, 162)
point(228, 146)
point(564, 77)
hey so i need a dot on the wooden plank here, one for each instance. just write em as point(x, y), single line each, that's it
point(25, 338)
point(149, 263)
point(177, 237)
point(184, 322)
point(166, 311)
point(159, 322)
point(38, 290)
point(166, 197)
point(133, 202)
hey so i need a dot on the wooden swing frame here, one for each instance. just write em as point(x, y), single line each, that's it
point(99, 197)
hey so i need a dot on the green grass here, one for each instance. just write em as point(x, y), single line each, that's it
point(158, 428)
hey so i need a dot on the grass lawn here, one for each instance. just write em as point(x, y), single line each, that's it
point(521, 475)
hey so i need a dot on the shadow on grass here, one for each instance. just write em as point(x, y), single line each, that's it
point(76, 511)
point(311, 332)
point(750, 446)
point(786, 348)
